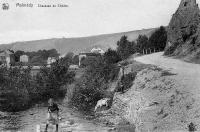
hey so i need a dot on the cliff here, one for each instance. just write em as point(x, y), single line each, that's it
point(184, 31)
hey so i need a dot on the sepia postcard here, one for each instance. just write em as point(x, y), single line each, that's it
point(99, 66)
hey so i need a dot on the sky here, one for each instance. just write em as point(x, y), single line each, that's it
point(81, 18)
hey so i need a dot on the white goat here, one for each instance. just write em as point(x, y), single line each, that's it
point(102, 102)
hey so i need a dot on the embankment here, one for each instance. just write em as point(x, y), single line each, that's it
point(159, 99)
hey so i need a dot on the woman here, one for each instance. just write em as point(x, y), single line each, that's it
point(52, 115)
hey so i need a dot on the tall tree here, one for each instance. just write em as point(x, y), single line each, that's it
point(111, 56)
point(142, 43)
point(158, 39)
point(125, 48)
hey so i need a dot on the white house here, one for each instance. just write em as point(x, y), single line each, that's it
point(98, 51)
point(24, 58)
point(51, 60)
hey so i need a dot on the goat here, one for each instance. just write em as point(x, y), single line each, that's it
point(102, 102)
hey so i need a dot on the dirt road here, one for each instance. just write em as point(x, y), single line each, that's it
point(188, 74)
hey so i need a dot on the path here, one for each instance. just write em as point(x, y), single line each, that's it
point(188, 74)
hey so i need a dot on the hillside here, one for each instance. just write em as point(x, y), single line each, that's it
point(164, 96)
point(76, 45)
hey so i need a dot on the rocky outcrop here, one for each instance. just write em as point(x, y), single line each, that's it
point(184, 29)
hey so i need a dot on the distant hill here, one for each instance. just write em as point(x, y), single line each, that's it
point(76, 45)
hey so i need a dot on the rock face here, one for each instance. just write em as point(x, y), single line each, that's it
point(183, 28)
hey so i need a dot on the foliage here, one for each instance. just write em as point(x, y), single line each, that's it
point(19, 89)
point(50, 79)
point(86, 61)
point(93, 84)
point(16, 87)
point(142, 43)
point(69, 57)
point(125, 48)
point(37, 58)
point(158, 39)
point(127, 81)
point(75, 60)
point(111, 56)
point(17, 55)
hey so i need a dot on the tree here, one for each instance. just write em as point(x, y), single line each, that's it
point(142, 43)
point(53, 53)
point(111, 56)
point(125, 48)
point(158, 39)
point(52, 78)
point(75, 60)
point(94, 82)
point(69, 57)
point(17, 55)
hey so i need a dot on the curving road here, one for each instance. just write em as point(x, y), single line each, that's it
point(188, 74)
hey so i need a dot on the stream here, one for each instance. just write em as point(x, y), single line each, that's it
point(27, 121)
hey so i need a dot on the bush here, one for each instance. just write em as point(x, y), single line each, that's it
point(19, 89)
point(38, 58)
point(111, 56)
point(93, 84)
point(126, 82)
point(87, 93)
point(15, 88)
point(49, 80)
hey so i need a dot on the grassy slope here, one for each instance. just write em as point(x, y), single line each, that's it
point(76, 45)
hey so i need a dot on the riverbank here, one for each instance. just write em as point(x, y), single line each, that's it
point(26, 121)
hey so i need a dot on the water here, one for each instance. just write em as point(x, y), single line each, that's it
point(26, 121)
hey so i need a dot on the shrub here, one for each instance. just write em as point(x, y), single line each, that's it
point(111, 56)
point(19, 89)
point(50, 79)
point(93, 84)
point(126, 82)
point(15, 88)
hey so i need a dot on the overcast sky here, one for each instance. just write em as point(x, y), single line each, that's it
point(82, 18)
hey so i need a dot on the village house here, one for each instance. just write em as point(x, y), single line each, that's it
point(98, 51)
point(93, 53)
point(7, 58)
point(24, 58)
point(51, 60)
